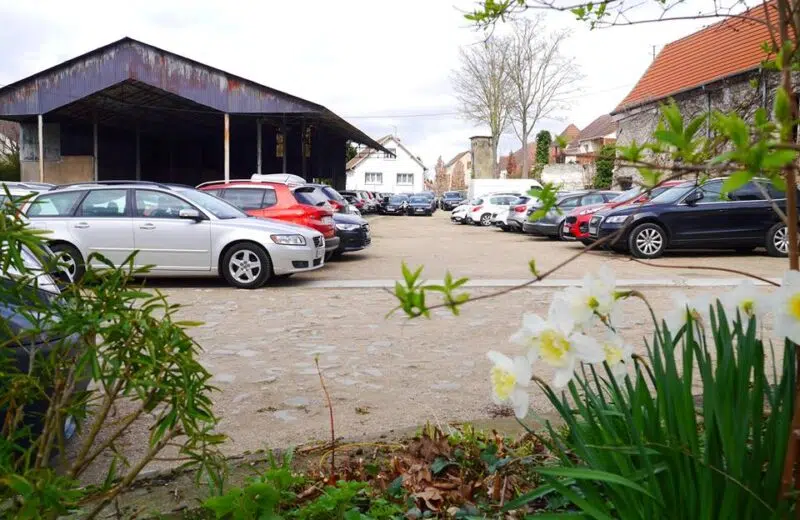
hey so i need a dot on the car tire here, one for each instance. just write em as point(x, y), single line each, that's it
point(647, 240)
point(72, 258)
point(562, 235)
point(244, 277)
point(778, 240)
point(486, 220)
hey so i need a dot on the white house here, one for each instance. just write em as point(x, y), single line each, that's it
point(377, 171)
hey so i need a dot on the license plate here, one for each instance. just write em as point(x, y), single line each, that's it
point(420, 211)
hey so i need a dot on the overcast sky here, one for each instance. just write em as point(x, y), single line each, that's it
point(375, 62)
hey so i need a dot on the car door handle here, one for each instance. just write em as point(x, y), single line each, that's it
point(81, 225)
point(147, 226)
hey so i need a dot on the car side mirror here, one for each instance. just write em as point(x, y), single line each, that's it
point(191, 214)
point(694, 197)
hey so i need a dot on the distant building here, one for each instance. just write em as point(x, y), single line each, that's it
point(585, 148)
point(692, 72)
point(465, 160)
point(379, 171)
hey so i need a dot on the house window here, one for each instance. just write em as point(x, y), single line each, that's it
point(392, 156)
point(585, 148)
point(373, 178)
point(405, 179)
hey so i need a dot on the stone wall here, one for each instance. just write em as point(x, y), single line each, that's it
point(571, 176)
point(743, 94)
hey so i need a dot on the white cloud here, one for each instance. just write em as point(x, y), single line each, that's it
point(357, 57)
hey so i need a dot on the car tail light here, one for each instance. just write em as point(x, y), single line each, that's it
point(335, 204)
point(520, 208)
point(477, 208)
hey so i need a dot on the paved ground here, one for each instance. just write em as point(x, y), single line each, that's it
point(386, 374)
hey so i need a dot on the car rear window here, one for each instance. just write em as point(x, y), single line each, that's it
point(310, 196)
point(250, 198)
point(331, 193)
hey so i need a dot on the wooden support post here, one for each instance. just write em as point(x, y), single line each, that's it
point(41, 147)
point(227, 139)
point(95, 163)
point(138, 155)
point(259, 150)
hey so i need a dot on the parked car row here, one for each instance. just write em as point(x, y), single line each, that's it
point(247, 231)
point(410, 204)
point(646, 224)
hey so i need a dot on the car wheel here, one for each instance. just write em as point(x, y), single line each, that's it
point(562, 232)
point(246, 266)
point(70, 260)
point(778, 240)
point(486, 219)
point(647, 241)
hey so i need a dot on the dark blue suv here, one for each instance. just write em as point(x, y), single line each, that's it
point(698, 217)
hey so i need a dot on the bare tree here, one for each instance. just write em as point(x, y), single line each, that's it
point(541, 78)
point(481, 84)
point(457, 179)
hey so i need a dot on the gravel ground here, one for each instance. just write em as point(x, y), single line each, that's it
point(383, 374)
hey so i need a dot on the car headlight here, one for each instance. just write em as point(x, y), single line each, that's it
point(617, 219)
point(347, 227)
point(289, 240)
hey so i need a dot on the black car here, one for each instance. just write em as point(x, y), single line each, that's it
point(550, 225)
point(431, 196)
point(21, 339)
point(395, 205)
point(419, 205)
point(353, 233)
point(451, 199)
point(700, 217)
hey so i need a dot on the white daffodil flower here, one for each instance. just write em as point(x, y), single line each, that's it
point(617, 352)
point(697, 308)
point(747, 300)
point(786, 305)
point(595, 297)
point(510, 379)
point(558, 344)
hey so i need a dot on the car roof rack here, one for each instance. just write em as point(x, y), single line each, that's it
point(28, 185)
point(284, 178)
point(112, 183)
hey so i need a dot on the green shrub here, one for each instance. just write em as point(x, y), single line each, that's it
point(604, 174)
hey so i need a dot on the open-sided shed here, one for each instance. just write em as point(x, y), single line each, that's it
point(129, 110)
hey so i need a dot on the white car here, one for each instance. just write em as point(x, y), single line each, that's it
point(459, 213)
point(178, 231)
point(500, 218)
point(484, 209)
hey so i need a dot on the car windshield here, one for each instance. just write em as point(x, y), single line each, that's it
point(520, 200)
point(418, 198)
point(310, 196)
point(452, 195)
point(217, 207)
point(627, 195)
point(397, 200)
point(673, 194)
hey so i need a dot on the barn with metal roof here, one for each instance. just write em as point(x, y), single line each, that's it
point(129, 110)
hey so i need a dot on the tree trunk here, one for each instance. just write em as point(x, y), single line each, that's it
point(526, 156)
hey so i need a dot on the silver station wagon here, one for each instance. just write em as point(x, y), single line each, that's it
point(178, 230)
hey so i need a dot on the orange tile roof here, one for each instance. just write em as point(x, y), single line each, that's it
point(724, 49)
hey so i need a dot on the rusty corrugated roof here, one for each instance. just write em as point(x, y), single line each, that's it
point(727, 48)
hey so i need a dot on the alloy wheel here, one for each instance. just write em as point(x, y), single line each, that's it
point(245, 266)
point(649, 241)
point(68, 265)
point(781, 240)
point(486, 220)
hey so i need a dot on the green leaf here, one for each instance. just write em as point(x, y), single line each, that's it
point(736, 181)
point(19, 484)
point(778, 159)
point(779, 182)
point(782, 106)
point(532, 267)
point(440, 464)
point(593, 475)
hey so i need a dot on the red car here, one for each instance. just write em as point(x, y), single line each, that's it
point(302, 204)
point(576, 225)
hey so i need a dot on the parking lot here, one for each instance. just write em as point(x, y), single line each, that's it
point(388, 373)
